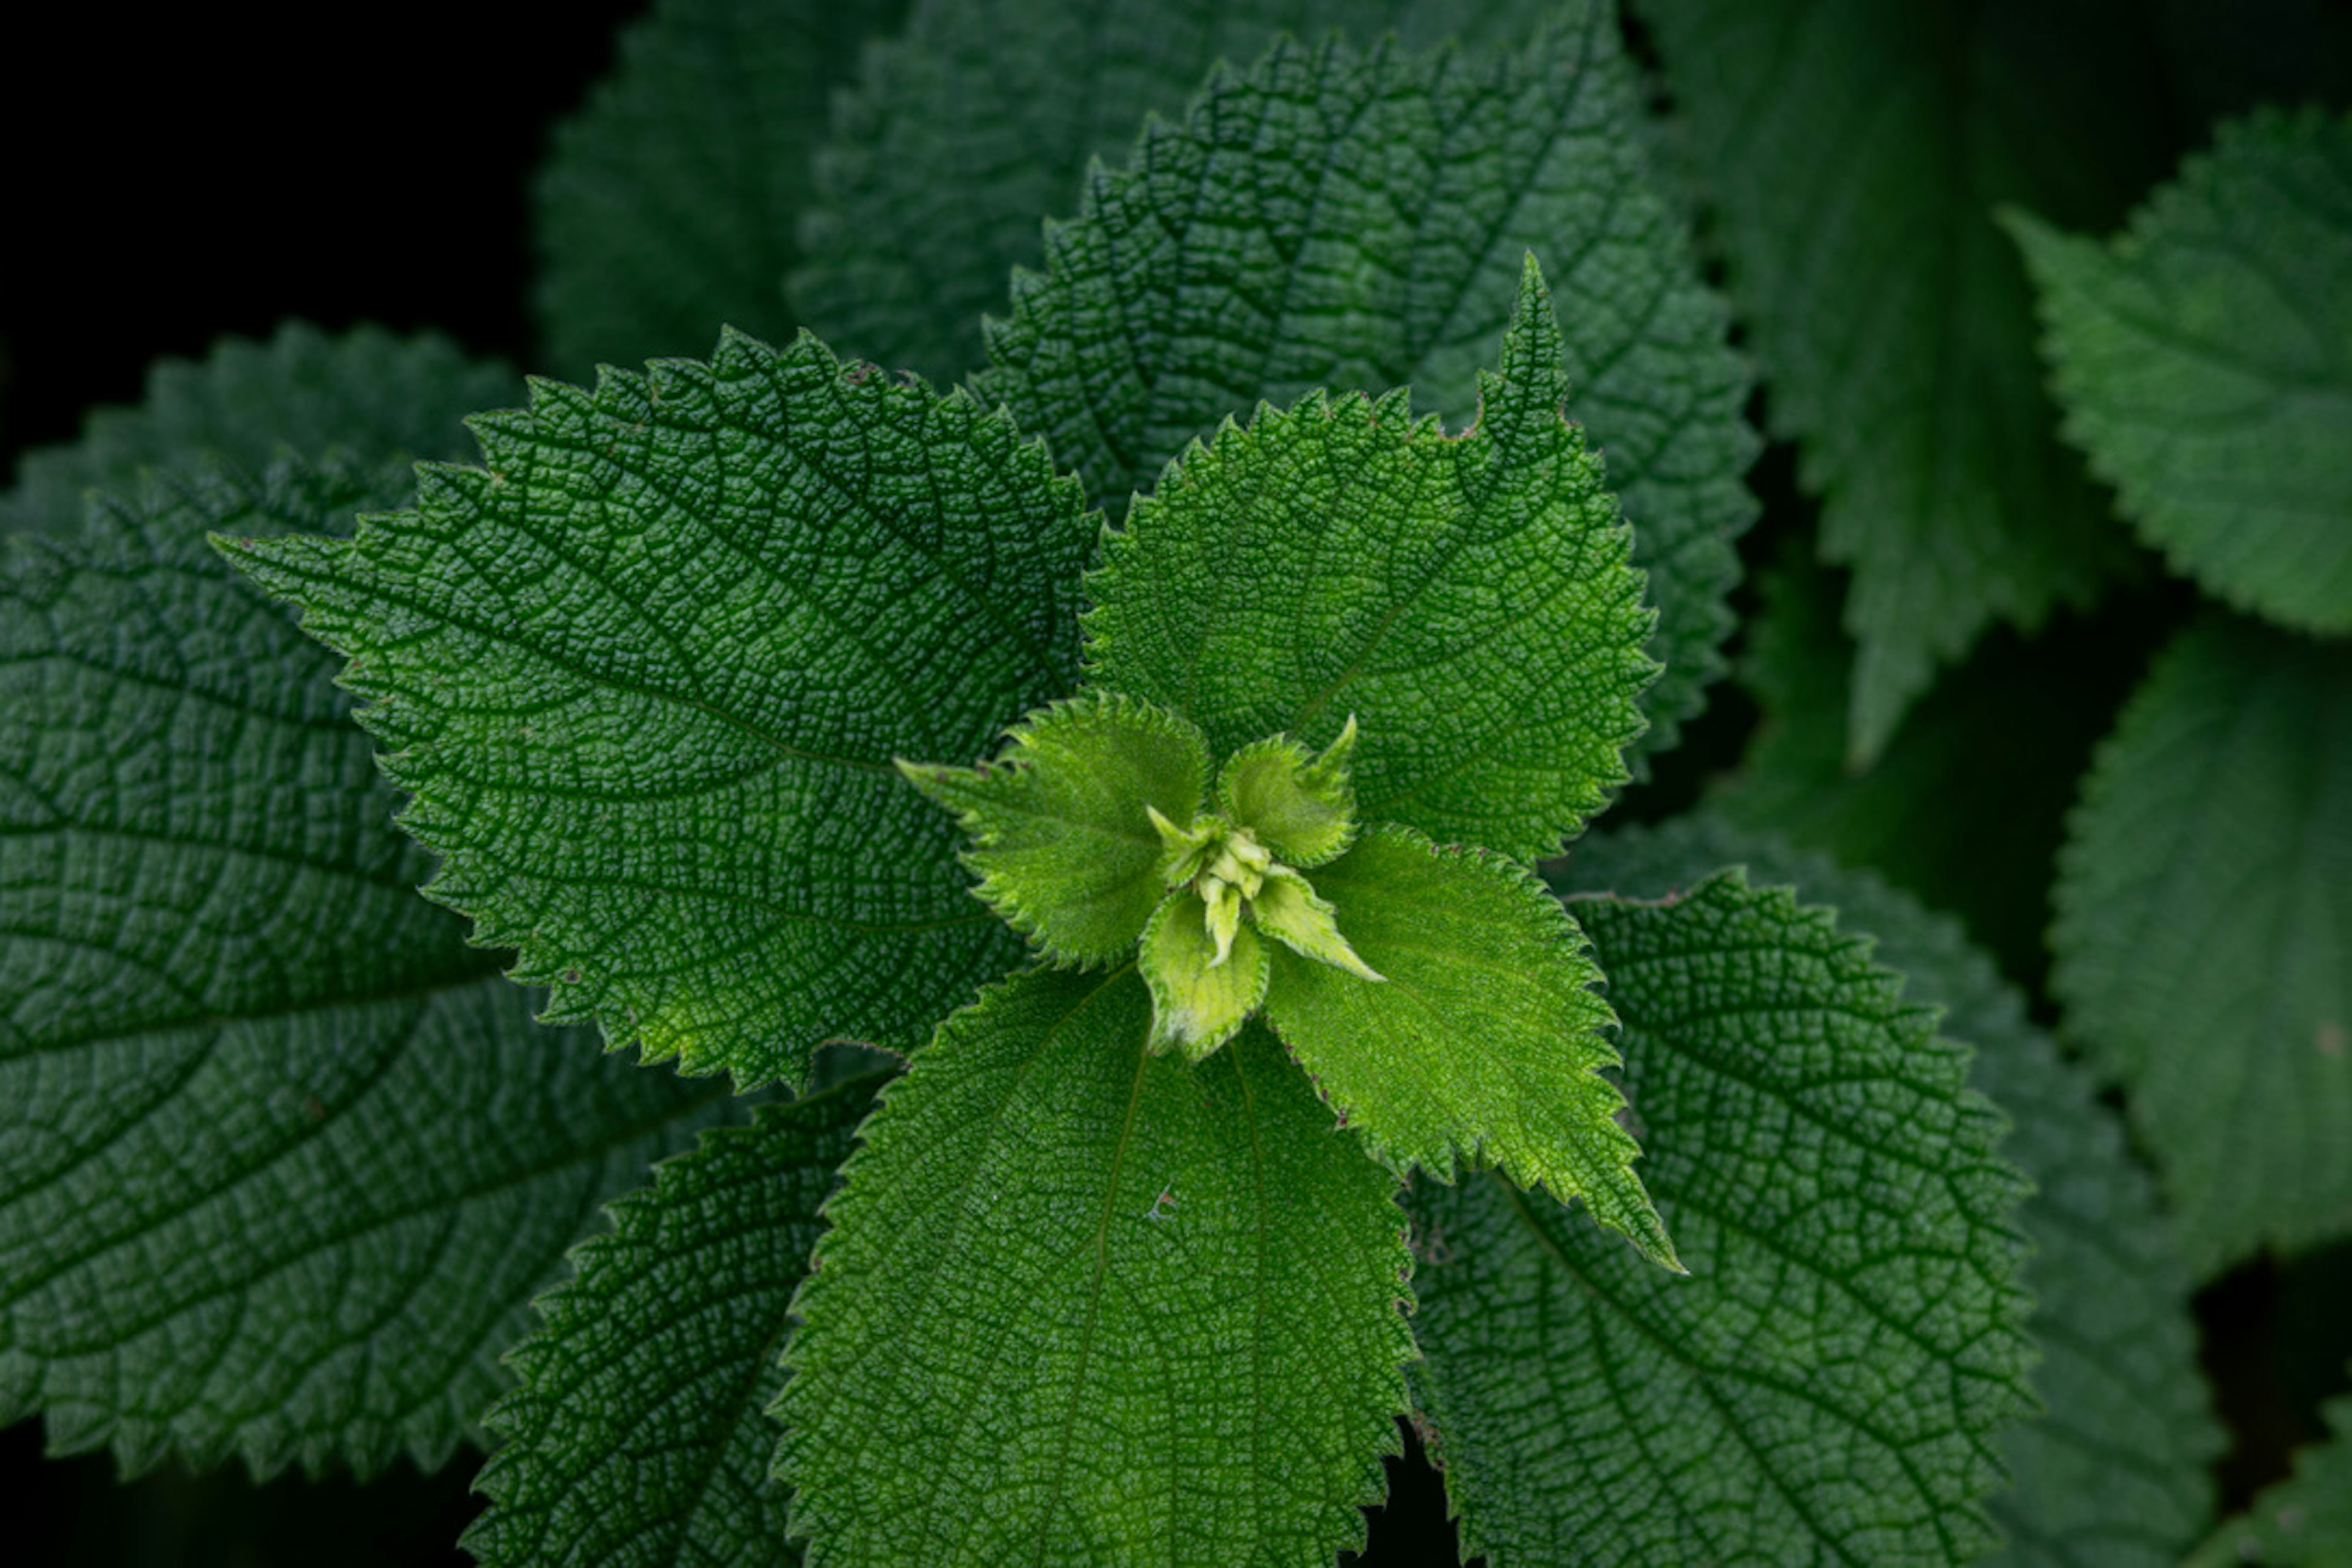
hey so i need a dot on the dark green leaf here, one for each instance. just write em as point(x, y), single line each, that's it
point(2304, 1522)
point(644, 677)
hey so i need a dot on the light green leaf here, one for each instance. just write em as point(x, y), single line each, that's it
point(1467, 598)
point(1851, 153)
point(1085, 1304)
point(1300, 806)
point(668, 203)
point(1832, 1381)
point(960, 136)
point(365, 398)
point(1360, 223)
point(2203, 900)
point(2304, 1522)
point(2114, 1469)
point(286, 1160)
point(1289, 910)
point(645, 676)
point(640, 1435)
point(1061, 834)
point(1199, 996)
point(1482, 1044)
point(2204, 359)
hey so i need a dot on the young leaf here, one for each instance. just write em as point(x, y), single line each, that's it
point(958, 136)
point(640, 1431)
point(287, 1160)
point(1300, 807)
point(2202, 899)
point(365, 398)
point(1484, 1042)
point(1467, 598)
point(1199, 996)
point(645, 674)
point(1829, 1383)
point(1084, 1304)
point(1062, 835)
point(668, 203)
point(1360, 223)
point(2205, 362)
point(2305, 1519)
point(2115, 1468)
point(1853, 153)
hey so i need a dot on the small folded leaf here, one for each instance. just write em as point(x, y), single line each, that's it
point(1082, 1304)
point(1484, 1042)
point(1299, 806)
point(2200, 359)
point(1063, 823)
point(287, 1160)
point(1468, 597)
point(1832, 1381)
point(1289, 910)
point(1205, 980)
point(2203, 899)
point(645, 674)
point(640, 1436)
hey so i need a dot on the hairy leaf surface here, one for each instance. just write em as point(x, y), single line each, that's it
point(365, 398)
point(645, 674)
point(285, 1160)
point(1483, 1043)
point(1852, 154)
point(1466, 598)
point(1359, 222)
point(2304, 1522)
point(2114, 1469)
point(2204, 358)
point(668, 203)
point(1082, 1304)
point(960, 136)
point(1832, 1381)
point(640, 1435)
point(2203, 900)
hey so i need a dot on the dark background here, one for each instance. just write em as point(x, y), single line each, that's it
point(184, 176)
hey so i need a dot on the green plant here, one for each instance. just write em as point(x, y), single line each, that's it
point(1292, 577)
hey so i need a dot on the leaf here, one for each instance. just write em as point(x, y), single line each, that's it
point(2304, 1519)
point(1301, 807)
point(1084, 1304)
point(2204, 359)
point(1062, 835)
point(1852, 154)
point(2202, 899)
point(365, 398)
point(669, 201)
point(1199, 997)
point(645, 676)
point(2115, 1469)
point(960, 136)
point(1990, 757)
point(640, 1435)
point(1360, 223)
point(286, 1160)
point(1484, 1044)
point(1832, 1382)
point(1467, 598)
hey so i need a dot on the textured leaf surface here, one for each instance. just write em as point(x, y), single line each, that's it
point(1851, 153)
point(2304, 1522)
point(1062, 838)
point(1832, 1381)
point(668, 203)
point(2204, 359)
point(2112, 1471)
point(365, 398)
point(961, 136)
point(1081, 1304)
point(2203, 900)
point(1360, 223)
point(284, 1159)
point(645, 676)
point(1483, 1042)
point(640, 1435)
point(1466, 598)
